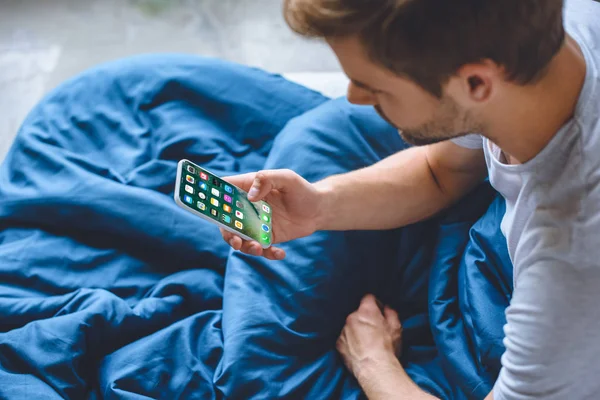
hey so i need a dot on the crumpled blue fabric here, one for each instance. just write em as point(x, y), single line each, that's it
point(109, 290)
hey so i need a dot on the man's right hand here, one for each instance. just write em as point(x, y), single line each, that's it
point(296, 206)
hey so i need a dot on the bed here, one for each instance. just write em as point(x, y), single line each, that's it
point(108, 290)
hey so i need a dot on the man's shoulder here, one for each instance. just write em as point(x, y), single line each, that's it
point(581, 20)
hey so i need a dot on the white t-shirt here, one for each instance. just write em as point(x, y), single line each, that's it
point(552, 228)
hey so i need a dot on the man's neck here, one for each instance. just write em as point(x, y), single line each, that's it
point(523, 127)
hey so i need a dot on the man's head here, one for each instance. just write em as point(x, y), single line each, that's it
point(433, 67)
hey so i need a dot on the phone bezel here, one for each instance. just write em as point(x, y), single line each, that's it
point(181, 204)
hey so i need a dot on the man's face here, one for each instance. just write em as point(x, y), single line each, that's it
point(420, 117)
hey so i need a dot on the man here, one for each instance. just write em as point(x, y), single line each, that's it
point(524, 75)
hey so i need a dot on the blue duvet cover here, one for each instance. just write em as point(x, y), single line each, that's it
point(109, 290)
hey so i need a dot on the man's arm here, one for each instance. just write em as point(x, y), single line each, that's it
point(402, 189)
point(553, 321)
point(407, 187)
point(392, 383)
point(369, 345)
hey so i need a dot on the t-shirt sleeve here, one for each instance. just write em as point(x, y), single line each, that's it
point(552, 334)
point(472, 141)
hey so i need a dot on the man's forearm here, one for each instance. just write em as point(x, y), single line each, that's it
point(395, 192)
point(390, 382)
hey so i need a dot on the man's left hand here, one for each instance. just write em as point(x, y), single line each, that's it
point(371, 338)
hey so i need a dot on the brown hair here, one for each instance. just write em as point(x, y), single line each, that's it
point(429, 40)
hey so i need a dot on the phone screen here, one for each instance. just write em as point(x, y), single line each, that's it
point(222, 202)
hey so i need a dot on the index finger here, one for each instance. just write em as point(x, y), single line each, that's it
point(243, 181)
point(391, 316)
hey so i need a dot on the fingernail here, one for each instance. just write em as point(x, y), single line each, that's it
point(231, 242)
point(253, 192)
point(253, 251)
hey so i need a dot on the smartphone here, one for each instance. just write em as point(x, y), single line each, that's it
point(205, 194)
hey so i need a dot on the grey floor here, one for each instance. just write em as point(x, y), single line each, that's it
point(44, 42)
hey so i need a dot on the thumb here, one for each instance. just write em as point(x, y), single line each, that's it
point(265, 181)
point(243, 181)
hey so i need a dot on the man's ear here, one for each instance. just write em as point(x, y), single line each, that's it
point(476, 83)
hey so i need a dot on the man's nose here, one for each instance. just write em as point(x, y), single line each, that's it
point(360, 96)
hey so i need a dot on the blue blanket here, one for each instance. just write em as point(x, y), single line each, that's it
point(109, 290)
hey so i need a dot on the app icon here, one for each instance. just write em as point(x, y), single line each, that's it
point(265, 218)
point(191, 169)
point(266, 208)
point(215, 182)
point(265, 228)
point(188, 199)
point(228, 189)
point(202, 196)
point(227, 198)
point(201, 206)
point(189, 189)
point(203, 186)
point(214, 202)
point(226, 208)
point(215, 192)
point(226, 219)
point(190, 179)
point(239, 225)
point(203, 176)
point(265, 238)
point(214, 212)
point(239, 214)
point(239, 205)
